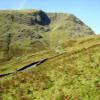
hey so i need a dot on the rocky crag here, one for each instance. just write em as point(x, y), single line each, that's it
point(29, 31)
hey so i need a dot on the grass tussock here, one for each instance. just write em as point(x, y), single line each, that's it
point(73, 75)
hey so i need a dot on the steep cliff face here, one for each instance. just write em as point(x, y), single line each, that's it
point(29, 31)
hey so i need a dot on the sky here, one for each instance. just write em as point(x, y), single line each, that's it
point(87, 10)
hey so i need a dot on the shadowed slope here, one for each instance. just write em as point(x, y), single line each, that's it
point(30, 31)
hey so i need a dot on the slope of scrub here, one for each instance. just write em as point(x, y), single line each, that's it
point(71, 75)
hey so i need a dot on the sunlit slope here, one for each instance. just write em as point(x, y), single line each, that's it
point(72, 74)
point(69, 46)
point(64, 25)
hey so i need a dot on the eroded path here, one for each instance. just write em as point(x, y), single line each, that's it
point(37, 63)
point(34, 64)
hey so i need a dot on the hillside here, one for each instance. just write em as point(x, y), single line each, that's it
point(71, 75)
point(47, 56)
point(29, 31)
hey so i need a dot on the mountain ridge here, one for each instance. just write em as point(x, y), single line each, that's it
point(48, 56)
point(25, 31)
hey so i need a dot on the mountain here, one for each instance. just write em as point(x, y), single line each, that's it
point(29, 31)
point(47, 56)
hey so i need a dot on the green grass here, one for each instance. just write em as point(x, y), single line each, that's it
point(72, 75)
point(73, 52)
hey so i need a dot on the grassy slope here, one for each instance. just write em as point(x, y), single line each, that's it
point(72, 75)
point(70, 45)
